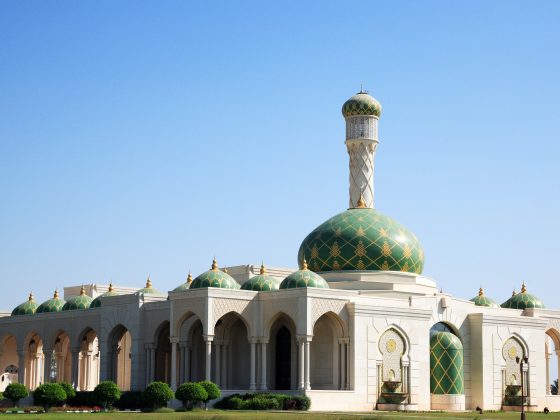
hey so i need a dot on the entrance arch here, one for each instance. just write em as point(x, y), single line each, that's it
point(34, 361)
point(9, 361)
point(120, 356)
point(231, 353)
point(552, 357)
point(282, 350)
point(61, 359)
point(325, 352)
point(88, 360)
point(162, 360)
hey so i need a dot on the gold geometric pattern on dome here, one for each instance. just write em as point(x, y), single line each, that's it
point(446, 364)
point(362, 239)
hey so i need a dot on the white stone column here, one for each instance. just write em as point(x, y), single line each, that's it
point(181, 363)
point(75, 366)
point(187, 362)
point(253, 379)
point(307, 365)
point(218, 348)
point(208, 371)
point(174, 341)
point(148, 363)
point(558, 363)
point(547, 373)
point(21, 367)
point(301, 364)
point(342, 365)
point(224, 366)
point(264, 366)
point(47, 365)
point(87, 372)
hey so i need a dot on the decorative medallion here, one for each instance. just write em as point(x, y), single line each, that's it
point(391, 345)
point(512, 353)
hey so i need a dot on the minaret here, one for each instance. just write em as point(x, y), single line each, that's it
point(361, 113)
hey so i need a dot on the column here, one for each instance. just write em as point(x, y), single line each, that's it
point(75, 365)
point(48, 365)
point(263, 366)
point(181, 363)
point(342, 365)
point(87, 370)
point(174, 341)
point(208, 371)
point(547, 373)
point(253, 379)
point(187, 366)
point(301, 364)
point(21, 367)
point(224, 365)
point(218, 348)
point(558, 364)
point(148, 363)
point(307, 365)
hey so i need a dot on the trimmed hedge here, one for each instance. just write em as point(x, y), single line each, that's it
point(106, 394)
point(15, 392)
point(157, 394)
point(49, 395)
point(191, 393)
point(264, 401)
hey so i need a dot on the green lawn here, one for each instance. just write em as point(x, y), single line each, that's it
point(258, 415)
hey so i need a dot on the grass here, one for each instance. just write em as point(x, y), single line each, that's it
point(264, 415)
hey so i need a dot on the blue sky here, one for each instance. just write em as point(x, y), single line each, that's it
point(145, 138)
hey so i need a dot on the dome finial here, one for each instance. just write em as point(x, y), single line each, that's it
point(148, 282)
point(304, 264)
point(513, 293)
point(523, 287)
point(225, 270)
point(263, 268)
point(189, 278)
point(111, 286)
point(362, 89)
point(30, 296)
point(361, 204)
point(55, 296)
point(481, 291)
point(214, 264)
point(82, 291)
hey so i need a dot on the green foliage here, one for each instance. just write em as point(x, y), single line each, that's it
point(48, 395)
point(1, 396)
point(157, 394)
point(69, 389)
point(15, 392)
point(106, 394)
point(82, 399)
point(131, 400)
point(264, 401)
point(191, 393)
point(211, 389)
point(554, 388)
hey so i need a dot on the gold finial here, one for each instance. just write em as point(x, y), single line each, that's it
point(30, 296)
point(361, 204)
point(55, 296)
point(189, 278)
point(263, 268)
point(481, 291)
point(514, 293)
point(111, 287)
point(523, 288)
point(148, 282)
point(214, 264)
point(304, 264)
point(82, 291)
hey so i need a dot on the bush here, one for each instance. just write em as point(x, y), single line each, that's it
point(48, 395)
point(264, 401)
point(191, 393)
point(106, 394)
point(157, 394)
point(211, 389)
point(234, 403)
point(131, 400)
point(69, 389)
point(15, 392)
point(82, 399)
point(259, 402)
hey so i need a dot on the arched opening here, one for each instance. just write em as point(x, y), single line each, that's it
point(447, 387)
point(9, 361)
point(120, 357)
point(552, 357)
point(61, 359)
point(514, 375)
point(34, 361)
point(192, 355)
point(163, 354)
point(393, 368)
point(282, 369)
point(326, 352)
point(231, 353)
point(88, 361)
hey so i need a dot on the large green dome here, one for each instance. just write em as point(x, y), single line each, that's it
point(82, 301)
point(262, 282)
point(523, 300)
point(482, 300)
point(55, 304)
point(96, 303)
point(362, 239)
point(361, 104)
point(304, 278)
point(29, 307)
point(214, 278)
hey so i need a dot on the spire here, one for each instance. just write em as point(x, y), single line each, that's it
point(263, 269)
point(82, 291)
point(148, 283)
point(30, 296)
point(55, 296)
point(523, 288)
point(361, 204)
point(514, 293)
point(481, 291)
point(214, 264)
point(189, 278)
point(110, 287)
point(304, 264)
point(225, 270)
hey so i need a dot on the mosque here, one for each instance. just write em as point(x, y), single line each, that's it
point(356, 328)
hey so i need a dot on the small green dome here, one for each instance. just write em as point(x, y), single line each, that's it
point(262, 283)
point(185, 286)
point(96, 303)
point(523, 300)
point(54, 304)
point(362, 239)
point(214, 278)
point(361, 104)
point(82, 301)
point(483, 300)
point(304, 278)
point(29, 307)
point(150, 290)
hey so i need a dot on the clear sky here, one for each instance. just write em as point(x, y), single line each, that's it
point(145, 138)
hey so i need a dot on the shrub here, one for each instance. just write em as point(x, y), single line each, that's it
point(260, 402)
point(211, 389)
point(106, 394)
point(69, 389)
point(157, 394)
point(82, 399)
point(191, 393)
point(48, 395)
point(234, 403)
point(131, 400)
point(1, 396)
point(15, 392)
point(303, 402)
point(264, 401)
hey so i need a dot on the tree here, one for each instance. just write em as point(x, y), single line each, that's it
point(157, 394)
point(212, 390)
point(191, 393)
point(106, 394)
point(48, 395)
point(69, 389)
point(554, 387)
point(15, 392)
